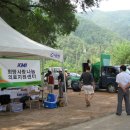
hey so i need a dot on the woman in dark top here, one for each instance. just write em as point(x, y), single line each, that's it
point(88, 85)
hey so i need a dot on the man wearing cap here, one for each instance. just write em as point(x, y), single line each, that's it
point(61, 83)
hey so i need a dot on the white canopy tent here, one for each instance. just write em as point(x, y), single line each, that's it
point(13, 44)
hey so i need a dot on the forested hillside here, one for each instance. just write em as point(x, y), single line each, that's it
point(76, 51)
point(55, 24)
point(97, 32)
point(116, 21)
point(91, 33)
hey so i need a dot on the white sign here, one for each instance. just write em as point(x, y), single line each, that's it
point(13, 70)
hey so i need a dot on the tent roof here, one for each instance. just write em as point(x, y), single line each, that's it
point(14, 44)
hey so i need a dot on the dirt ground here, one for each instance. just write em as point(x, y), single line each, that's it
point(75, 112)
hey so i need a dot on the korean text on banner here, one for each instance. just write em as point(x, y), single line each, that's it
point(15, 72)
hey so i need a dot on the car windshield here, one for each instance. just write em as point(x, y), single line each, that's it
point(56, 70)
point(117, 68)
point(74, 74)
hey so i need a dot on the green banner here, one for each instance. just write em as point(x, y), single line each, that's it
point(19, 84)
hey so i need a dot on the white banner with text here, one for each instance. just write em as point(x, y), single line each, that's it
point(15, 72)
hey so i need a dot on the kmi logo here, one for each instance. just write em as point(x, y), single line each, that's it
point(55, 55)
point(22, 65)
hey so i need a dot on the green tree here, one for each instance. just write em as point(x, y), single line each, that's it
point(91, 33)
point(43, 21)
point(76, 52)
point(40, 21)
point(120, 53)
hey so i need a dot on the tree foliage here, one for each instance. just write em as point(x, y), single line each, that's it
point(80, 45)
point(76, 52)
point(120, 53)
point(115, 21)
point(91, 33)
point(43, 21)
point(84, 4)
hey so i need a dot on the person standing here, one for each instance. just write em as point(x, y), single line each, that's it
point(46, 76)
point(50, 80)
point(61, 83)
point(123, 80)
point(88, 85)
point(66, 78)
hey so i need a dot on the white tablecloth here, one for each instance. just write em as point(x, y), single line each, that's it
point(14, 93)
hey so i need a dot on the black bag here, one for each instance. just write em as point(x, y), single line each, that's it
point(5, 99)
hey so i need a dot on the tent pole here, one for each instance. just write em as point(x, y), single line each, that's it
point(66, 100)
point(42, 80)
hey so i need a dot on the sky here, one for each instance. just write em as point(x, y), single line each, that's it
point(114, 5)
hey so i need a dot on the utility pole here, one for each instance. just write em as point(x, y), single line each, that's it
point(76, 62)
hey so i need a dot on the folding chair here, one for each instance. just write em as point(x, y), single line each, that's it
point(34, 98)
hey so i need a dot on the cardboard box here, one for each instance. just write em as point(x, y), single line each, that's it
point(16, 107)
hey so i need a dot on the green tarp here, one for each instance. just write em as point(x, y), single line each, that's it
point(96, 68)
point(105, 60)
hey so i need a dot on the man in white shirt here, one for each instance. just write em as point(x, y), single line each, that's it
point(123, 80)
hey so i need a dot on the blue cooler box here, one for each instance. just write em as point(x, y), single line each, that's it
point(51, 97)
point(50, 105)
point(51, 101)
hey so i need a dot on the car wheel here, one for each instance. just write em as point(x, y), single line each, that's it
point(76, 86)
point(111, 88)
